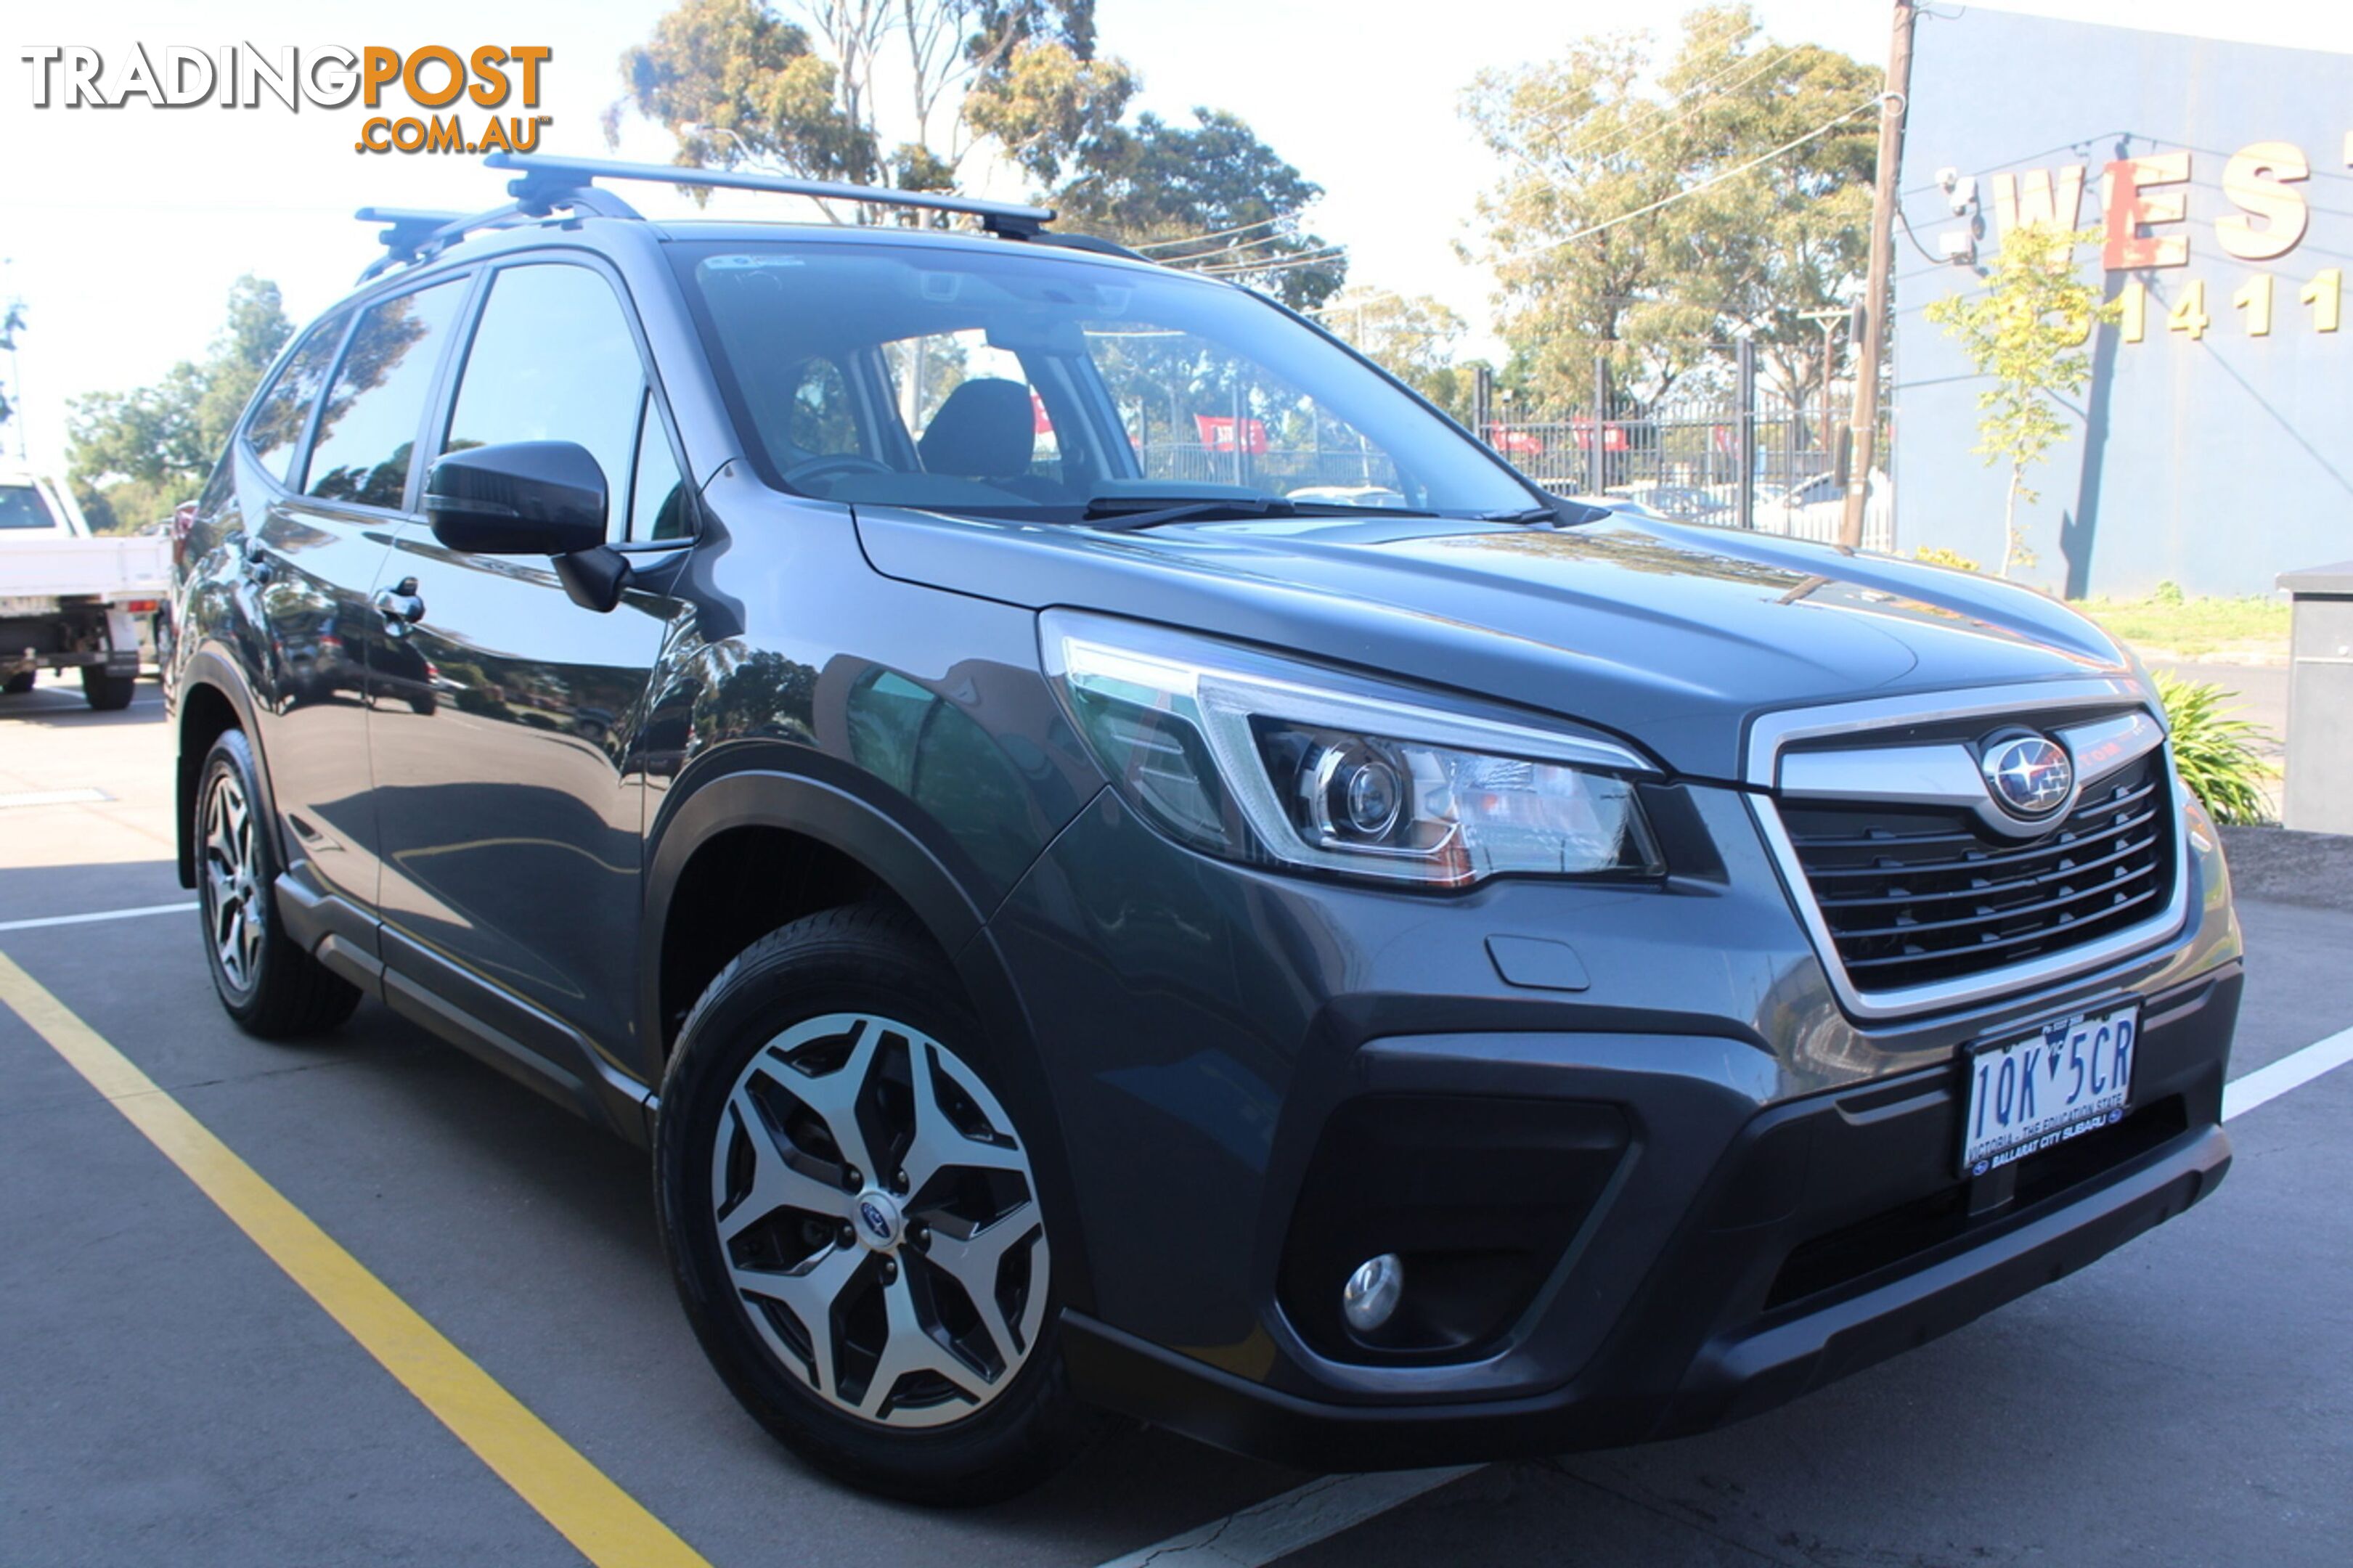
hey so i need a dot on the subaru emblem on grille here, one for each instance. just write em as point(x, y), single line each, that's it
point(2028, 775)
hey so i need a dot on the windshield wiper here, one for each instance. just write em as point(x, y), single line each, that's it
point(1115, 520)
point(1560, 514)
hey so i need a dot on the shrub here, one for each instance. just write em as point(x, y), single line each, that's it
point(2216, 754)
point(1937, 555)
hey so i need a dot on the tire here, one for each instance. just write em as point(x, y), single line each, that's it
point(270, 986)
point(857, 998)
point(20, 683)
point(107, 693)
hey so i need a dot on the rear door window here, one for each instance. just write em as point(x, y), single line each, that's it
point(553, 359)
point(275, 431)
point(367, 429)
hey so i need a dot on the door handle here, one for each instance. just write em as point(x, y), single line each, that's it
point(258, 566)
point(400, 606)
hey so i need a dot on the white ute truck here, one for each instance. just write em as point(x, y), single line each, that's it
point(69, 599)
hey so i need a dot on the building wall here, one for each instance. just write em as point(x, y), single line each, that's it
point(2215, 456)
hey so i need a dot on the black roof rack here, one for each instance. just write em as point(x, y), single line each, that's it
point(544, 184)
point(548, 178)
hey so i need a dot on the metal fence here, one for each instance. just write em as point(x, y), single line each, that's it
point(1719, 447)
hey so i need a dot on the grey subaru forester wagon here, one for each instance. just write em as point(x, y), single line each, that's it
point(1122, 863)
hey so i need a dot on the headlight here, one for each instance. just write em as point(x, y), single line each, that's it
point(1257, 758)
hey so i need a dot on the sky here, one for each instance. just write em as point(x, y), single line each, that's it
point(121, 230)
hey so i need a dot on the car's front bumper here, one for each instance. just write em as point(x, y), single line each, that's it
point(1832, 1233)
point(1776, 1201)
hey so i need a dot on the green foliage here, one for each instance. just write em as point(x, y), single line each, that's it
point(2166, 592)
point(734, 83)
point(904, 93)
point(873, 92)
point(2217, 756)
point(1937, 555)
point(2026, 331)
point(132, 456)
point(1604, 133)
point(1051, 110)
point(1411, 337)
point(1212, 196)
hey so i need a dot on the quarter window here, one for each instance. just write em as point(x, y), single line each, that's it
point(368, 428)
point(553, 359)
point(276, 429)
point(657, 498)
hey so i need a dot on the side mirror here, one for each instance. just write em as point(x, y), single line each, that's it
point(518, 497)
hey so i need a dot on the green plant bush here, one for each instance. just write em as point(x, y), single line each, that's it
point(2216, 753)
point(1937, 555)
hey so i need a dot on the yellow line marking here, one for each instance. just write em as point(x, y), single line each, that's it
point(608, 1525)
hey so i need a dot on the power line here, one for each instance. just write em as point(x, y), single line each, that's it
point(1822, 129)
point(1279, 258)
point(1213, 233)
point(1234, 248)
point(1329, 253)
point(1660, 110)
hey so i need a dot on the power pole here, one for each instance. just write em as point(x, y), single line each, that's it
point(1864, 425)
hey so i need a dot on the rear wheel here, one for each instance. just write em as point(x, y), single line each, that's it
point(20, 683)
point(853, 1217)
point(107, 692)
point(268, 985)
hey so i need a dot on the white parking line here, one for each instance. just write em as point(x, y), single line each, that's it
point(93, 918)
point(1281, 1525)
point(2293, 1070)
point(52, 796)
point(1265, 1532)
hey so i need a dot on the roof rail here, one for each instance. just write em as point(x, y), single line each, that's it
point(546, 178)
point(544, 184)
point(418, 233)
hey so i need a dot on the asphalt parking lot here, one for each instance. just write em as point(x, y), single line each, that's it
point(168, 1395)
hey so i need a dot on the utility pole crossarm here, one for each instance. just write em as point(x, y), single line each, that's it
point(1864, 424)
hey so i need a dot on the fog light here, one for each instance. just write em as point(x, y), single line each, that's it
point(1371, 1294)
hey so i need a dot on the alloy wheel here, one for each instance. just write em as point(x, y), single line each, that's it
point(232, 906)
point(879, 1220)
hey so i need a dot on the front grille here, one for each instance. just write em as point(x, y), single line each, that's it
point(1914, 895)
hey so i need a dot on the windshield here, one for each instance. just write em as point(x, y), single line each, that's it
point(1039, 384)
point(21, 506)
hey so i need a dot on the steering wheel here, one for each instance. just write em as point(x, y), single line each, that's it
point(799, 474)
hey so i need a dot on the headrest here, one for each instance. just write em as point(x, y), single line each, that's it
point(987, 430)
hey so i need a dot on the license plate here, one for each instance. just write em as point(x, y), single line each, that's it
point(2031, 1092)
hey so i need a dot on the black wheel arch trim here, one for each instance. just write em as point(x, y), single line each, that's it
point(208, 667)
point(774, 784)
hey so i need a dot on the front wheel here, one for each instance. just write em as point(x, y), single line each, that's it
point(853, 1216)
